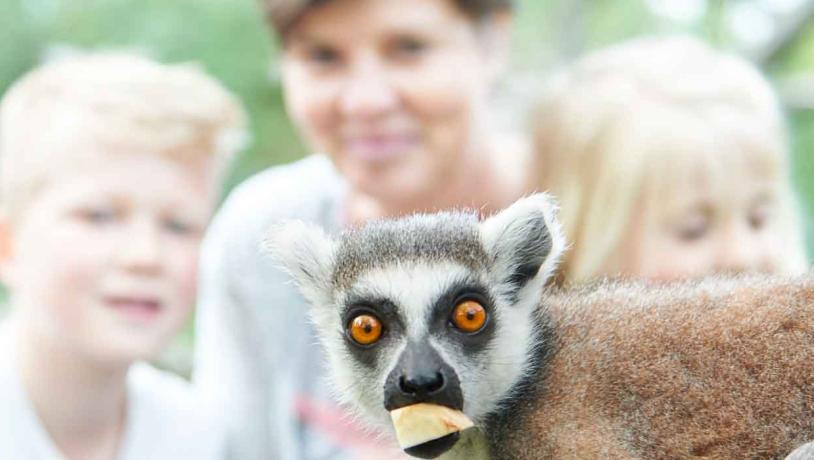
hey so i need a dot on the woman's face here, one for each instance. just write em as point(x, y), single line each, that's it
point(393, 90)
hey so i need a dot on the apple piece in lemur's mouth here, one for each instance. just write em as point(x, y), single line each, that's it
point(428, 430)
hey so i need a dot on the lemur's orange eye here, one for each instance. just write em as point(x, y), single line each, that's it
point(365, 329)
point(469, 316)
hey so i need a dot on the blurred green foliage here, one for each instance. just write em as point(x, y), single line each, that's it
point(229, 39)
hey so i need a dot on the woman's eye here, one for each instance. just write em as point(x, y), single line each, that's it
point(365, 329)
point(409, 47)
point(469, 316)
point(323, 56)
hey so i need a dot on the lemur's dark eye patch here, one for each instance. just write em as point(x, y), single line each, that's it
point(469, 316)
point(365, 329)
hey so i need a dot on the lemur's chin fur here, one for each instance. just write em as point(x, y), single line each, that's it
point(447, 309)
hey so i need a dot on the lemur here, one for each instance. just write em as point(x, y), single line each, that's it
point(447, 309)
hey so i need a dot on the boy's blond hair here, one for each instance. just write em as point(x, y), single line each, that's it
point(65, 113)
point(628, 122)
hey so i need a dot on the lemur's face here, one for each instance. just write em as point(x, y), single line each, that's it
point(430, 308)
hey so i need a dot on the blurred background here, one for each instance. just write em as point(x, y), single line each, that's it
point(229, 39)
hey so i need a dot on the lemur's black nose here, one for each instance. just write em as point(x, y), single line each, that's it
point(421, 375)
point(421, 385)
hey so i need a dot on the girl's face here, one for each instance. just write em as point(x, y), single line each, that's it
point(394, 91)
point(730, 222)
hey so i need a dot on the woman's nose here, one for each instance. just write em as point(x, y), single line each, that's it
point(368, 91)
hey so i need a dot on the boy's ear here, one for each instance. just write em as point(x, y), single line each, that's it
point(524, 243)
point(307, 254)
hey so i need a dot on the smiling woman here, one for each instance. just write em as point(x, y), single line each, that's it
point(395, 95)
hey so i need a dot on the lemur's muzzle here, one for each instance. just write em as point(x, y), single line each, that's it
point(421, 375)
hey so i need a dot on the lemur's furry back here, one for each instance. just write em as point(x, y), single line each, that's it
point(445, 309)
point(718, 369)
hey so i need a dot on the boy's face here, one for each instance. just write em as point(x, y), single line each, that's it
point(104, 257)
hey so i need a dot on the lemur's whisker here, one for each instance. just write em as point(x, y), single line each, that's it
point(552, 373)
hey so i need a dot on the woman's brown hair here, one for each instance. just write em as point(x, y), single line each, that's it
point(281, 14)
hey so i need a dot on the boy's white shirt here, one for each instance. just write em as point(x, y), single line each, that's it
point(164, 418)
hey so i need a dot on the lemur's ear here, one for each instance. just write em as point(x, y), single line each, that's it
point(524, 242)
point(306, 252)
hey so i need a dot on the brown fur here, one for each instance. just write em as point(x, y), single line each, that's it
point(720, 369)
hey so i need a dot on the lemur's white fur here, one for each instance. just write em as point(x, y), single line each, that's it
point(415, 288)
point(308, 254)
point(501, 231)
point(615, 370)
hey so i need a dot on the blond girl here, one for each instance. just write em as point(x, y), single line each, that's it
point(669, 160)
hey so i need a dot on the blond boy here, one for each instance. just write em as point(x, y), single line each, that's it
point(108, 173)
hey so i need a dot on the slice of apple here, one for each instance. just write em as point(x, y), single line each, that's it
point(424, 422)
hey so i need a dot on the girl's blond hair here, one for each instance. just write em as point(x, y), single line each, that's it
point(632, 118)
